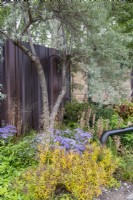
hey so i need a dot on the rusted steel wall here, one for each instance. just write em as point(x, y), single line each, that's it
point(22, 106)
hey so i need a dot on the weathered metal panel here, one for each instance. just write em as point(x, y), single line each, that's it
point(2, 81)
point(22, 106)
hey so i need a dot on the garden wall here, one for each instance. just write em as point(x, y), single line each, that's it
point(79, 86)
point(22, 106)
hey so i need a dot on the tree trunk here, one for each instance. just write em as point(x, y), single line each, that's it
point(47, 120)
point(66, 63)
point(44, 122)
point(41, 75)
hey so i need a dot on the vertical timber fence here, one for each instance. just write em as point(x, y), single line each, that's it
point(22, 106)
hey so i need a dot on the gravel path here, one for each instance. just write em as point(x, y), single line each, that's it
point(124, 192)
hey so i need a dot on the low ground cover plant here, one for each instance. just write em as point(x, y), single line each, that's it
point(15, 157)
point(125, 169)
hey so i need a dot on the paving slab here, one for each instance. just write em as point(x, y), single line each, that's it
point(130, 196)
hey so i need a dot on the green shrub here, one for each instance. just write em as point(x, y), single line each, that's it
point(73, 112)
point(102, 111)
point(125, 169)
point(82, 175)
point(116, 122)
point(14, 158)
point(125, 111)
point(127, 141)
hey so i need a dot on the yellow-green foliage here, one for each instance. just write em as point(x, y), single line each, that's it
point(81, 174)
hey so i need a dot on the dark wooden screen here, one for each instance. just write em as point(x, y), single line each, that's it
point(22, 106)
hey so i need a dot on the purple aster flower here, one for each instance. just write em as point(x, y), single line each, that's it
point(86, 135)
point(58, 132)
point(4, 136)
point(68, 141)
point(77, 137)
point(7, 131)
point(67, 131)
point(58, 139)
point(80, 147)
point(57, 147)
point(10, 126)
point(78, 130)
point(75, 140)
point(67, 146)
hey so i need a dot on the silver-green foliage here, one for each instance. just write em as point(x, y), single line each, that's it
point(99, 49)
point(91, 37)
point(108, 61)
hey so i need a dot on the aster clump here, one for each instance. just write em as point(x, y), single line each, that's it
point(76, 139)
point(7, 131)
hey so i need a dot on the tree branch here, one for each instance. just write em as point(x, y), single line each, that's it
point(25, 50)
point(66, 64)
point(37, 11)
point(5, 34)
point(71, 44)
point(29, 11)
point(29, 24)
point(27, 21)
point(41, 16)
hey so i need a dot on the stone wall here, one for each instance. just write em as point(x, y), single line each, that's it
point(79, 86)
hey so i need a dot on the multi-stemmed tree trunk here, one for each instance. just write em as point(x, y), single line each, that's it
point(47, 118)
point(45, 105)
